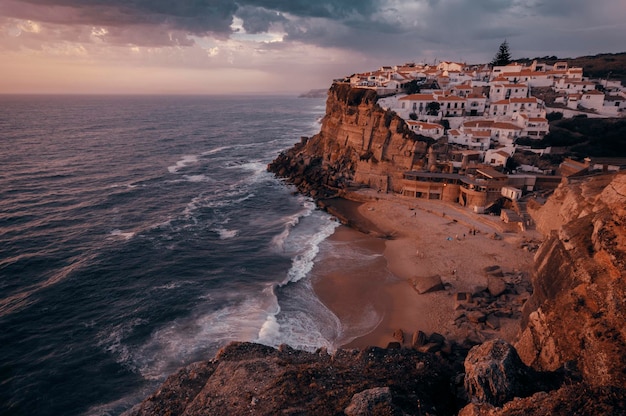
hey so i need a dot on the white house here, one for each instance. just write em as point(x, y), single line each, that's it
point(505, 133)
point(496, 157)
point(475, 104)
point(531, 106)
point(451, 105)
point(573, 86)
point(432, 130)
point(592, 100)
point(533, 127)
point(473, 139)
point(415, 103)
point(499, 70)
point(502, 91)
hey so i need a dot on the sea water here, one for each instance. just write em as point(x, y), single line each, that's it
point(140, 234)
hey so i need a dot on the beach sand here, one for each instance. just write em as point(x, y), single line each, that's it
point(425, 238)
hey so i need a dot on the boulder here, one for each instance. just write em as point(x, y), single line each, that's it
point(437, 338)
point(495, 374)
point(419, 338)
point(377, 400)
point(476, 317)
point(427, 284)
point(398, 335)
point(495, 285)
point(462, 299)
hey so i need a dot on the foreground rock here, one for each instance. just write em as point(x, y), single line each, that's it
point(577, 311)
point(494, 374)
point(249, 378)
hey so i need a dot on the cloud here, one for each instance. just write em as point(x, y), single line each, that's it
point(287, 38)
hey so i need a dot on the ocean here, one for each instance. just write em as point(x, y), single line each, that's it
point(140, 234)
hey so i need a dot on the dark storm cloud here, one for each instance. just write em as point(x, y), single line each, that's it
point(195, 16)
point(381, 27)
point(258, 19)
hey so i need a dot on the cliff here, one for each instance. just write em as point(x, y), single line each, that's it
point(570, 357)
point(577, 312)
point(358, 143)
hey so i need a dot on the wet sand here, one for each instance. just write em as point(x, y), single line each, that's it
point(424, 238)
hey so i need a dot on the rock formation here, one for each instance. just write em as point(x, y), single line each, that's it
point(570, 357)
point(254, 379)
point(577, 312)
point(358, 143)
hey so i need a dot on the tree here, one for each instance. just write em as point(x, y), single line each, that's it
point(503, 57)
point(412, 87)
point(432, 108)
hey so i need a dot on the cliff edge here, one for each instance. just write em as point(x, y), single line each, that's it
point(358, 143)
point(576, 314)
point(570, 357)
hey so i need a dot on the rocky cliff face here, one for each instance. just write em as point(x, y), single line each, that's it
point(577, 312)
point(359, 142)
point(254, 379)
point(571, 353)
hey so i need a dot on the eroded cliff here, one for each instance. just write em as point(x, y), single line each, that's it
point(577, 312)
point(358, 143)
point(571, 354)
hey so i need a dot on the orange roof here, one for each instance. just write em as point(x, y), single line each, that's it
point(418, 97)
point(506, 126)
point(480, 133)
point(523, 100)
point(450, 98)
point(429, 126)
point(478, 123)
point(512, 85)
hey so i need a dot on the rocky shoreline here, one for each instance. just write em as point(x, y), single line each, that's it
point(569, 355)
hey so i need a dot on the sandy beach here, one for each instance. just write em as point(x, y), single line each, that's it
point(424, 238)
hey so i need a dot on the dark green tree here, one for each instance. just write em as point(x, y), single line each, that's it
point(432, 108)
point(503, 57)
point(412, 87)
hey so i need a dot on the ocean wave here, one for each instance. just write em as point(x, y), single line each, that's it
point(125, 235)
point(290, 221)
point(216, 150)
point(226, 234)
point(200, 335)
point(185, 161)
point(198, 178)
point(308, 244)
point(301, 321)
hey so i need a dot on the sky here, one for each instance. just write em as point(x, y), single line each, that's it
point(276, 46)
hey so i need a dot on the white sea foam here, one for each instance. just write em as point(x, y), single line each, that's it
point(111, 340)
point(200, 335)
point(171, 285)
point(302, 262)
point(302, 321)
point(125, 235)
point(198, 178)
point(290, 221)
point(186, 160)
point(226, 234)
point(216, 150)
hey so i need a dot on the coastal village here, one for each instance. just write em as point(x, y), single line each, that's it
point(479, 116)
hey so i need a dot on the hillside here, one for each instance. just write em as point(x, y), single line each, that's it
point(612, 65)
